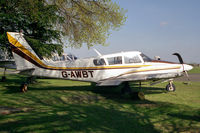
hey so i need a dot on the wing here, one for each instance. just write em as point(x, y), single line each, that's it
point(114, 81)
point(109, 83)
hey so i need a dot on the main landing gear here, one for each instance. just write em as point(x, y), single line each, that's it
point(126, 89)
point(24, 85)
point(3, 79)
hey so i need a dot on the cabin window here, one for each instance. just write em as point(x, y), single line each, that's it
point(115, 60)
point(63, 58)
point(55, 58)
point(132, 59)
point(99, 62)
point(146, 58)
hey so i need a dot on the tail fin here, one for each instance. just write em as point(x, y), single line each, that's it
point(25, 57)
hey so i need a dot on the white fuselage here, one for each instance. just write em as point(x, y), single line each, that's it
point(86, 70)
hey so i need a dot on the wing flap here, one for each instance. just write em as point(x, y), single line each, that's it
point(109, 83)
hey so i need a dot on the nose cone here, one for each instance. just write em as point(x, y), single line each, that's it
point(187, 67)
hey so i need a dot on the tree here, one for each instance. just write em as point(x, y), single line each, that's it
point(89, 21)
point(45, 22)
point(36, 19)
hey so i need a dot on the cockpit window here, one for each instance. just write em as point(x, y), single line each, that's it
point(132, 59)
point(99, 62)
point(146, 58)
point(115, 60)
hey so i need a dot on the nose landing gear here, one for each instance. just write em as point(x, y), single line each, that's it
point(170, 87)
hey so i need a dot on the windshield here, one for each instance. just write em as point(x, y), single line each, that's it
point(146, 58)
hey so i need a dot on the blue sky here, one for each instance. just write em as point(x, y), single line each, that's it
point(155, 27)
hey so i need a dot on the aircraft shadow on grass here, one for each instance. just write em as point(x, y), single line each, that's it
point(88, 118)
point(186, 117)
point(91, 117)
point(76, 118)
point(112, 93)
point(97, 118)
point(13, 86)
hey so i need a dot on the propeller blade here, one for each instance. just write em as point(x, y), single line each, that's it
point(179, 57)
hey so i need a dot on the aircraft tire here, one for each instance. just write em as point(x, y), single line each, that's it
point(138, 96)
point(24, 87)
point(141, 96)
point(170, 87)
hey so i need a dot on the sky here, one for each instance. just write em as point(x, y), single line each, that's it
point(155, 28)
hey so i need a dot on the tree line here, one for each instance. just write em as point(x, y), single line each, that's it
point(51, 25)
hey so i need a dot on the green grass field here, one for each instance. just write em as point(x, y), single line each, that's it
point(67, 106)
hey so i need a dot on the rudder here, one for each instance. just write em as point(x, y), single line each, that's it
point(25, 57)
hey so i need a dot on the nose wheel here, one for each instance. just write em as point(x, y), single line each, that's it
point(170, 87)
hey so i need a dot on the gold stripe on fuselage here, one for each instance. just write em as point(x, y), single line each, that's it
point(154, 69)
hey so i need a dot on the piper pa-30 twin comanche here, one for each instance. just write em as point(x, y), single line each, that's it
point(104, 70)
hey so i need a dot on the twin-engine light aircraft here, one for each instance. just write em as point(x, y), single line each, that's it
point(104, 70)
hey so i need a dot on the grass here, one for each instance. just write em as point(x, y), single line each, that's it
point(195, 70)
point(68, 106)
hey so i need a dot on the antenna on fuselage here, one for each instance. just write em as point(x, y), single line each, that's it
point(99, 54)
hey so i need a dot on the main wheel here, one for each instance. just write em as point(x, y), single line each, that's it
point(141, 96)
point(24, 87)
point(170, 87)
point(138, 96)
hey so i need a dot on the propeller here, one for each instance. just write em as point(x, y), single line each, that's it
point(185, 66)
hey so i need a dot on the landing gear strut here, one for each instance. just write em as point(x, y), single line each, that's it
point(24, 85)
point(126, 88)
point(170, 87)
point(134, 95)
point(4, 76)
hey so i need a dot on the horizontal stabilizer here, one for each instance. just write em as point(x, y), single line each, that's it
point(27, 71)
